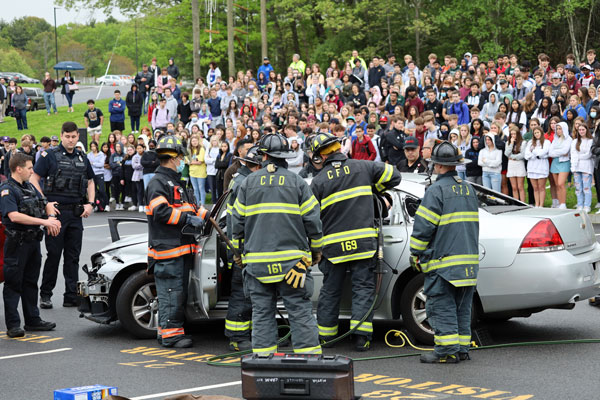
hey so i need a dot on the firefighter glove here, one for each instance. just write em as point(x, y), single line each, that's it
point(297, 275)
point(194, 221)
point(238, 260)
point(316, 257)
point(414, 263)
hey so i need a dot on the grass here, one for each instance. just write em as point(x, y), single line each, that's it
point(40, 124)
point(571, 197)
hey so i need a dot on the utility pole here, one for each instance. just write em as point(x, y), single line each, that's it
point(230, 52)
point(137, 65)
point(55, 41)
point(263, 28)
point(196, 39)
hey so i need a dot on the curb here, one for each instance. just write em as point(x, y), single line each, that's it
point(595, 218)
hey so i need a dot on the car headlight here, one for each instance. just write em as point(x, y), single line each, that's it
point(97, 261)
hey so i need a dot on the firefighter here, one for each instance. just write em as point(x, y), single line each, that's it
point(239, 312)
point(344, 189)
point(275, 218)
point(170, 253)
point(23, 211)
point(444, 245)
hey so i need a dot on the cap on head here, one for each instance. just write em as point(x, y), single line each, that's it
point(411, 142)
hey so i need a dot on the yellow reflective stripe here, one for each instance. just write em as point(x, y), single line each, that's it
point(260, 208)
point(464, 282)
point(385, 177)
point(417, 244)
point(309, 350)
point(460, 259)
point(466, 216)
point(327, 330)
point(229, 208)
point(239, 207)
point(284, 255)
point(237, 326)
point(345, 195)
point(349, 235)
point(271, 279)
point(428, 215)
point(446, 340)
point(265, 350)
point(308, 205)
point(464, 340)
point(356, 256)
point(236, 242)
point(365, 326)
point(316, 242)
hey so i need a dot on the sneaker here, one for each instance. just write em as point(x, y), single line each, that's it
point(107, 208)
point(15, 332)
point(141, 209)
point(597, 205)
point(579, 208)
point(586, 209)
point(41, 326)
point(127, 199)
point(242, 345)
point(362, 343)
point(132, 208)
point(121, 207)
point(562, 206)
point(45, 303)
point(111, 199)
point(431, 358)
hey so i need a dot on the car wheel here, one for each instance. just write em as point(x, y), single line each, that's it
point(137, 305)
point(35, 107)
point(412, 308)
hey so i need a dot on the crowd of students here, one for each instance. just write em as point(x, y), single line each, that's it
point(515, 121)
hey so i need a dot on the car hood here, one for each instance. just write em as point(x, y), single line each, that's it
point(125, 242)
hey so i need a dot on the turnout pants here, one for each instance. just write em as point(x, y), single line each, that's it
point(68, 245)
point(449, 314)
point(363, 293)
point(305, 337)
point(171, 278)
point(22, 263)
point(239, 312)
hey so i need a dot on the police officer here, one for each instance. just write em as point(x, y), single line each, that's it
point(67, 178)
point(23, 211)
point(413, 162)
point(449, 210)
point(276, 221)
point(239, 312)
point(170, 253)
point(345, 188)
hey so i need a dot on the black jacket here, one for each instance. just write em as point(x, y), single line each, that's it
point(168, 206)
point(473, 168)
point(142, 84)
point(394, 146)
point(418, 166)
point(173, 71)
point(134, 103)
point(344, 189)
point(150, 162)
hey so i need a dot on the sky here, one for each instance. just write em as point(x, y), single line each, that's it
point(45, 9)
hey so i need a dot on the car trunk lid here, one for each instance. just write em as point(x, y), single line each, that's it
point(574, 226)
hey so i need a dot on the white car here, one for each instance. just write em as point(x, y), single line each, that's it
point(111, 80)
point(531, 259)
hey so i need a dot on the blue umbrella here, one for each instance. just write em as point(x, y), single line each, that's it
point(68, 65)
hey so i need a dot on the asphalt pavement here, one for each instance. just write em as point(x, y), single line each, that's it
point(89, 92)
point(80, 352)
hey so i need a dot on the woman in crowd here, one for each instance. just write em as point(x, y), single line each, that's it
point(197, 154)
point(128, 187)
point(68, 89)
point(221, 164)
point(18, 102)
point(536, 155)
point(490, 161)
point(515, 151)
point(582, 167)
point(211, 171)
point(138, 177)
point(97, 160)
point(560, 152)
point(104, 149)
point(116, 165)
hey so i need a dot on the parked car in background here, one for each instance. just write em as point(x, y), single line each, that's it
point(115, 80)
point(128, 79)
point(35, 98)
point(18, 77)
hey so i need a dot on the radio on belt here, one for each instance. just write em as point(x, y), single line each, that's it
point(293, 376)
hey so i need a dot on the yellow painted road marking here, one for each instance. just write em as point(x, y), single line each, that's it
point(31, 338)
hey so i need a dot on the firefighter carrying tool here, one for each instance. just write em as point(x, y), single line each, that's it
point(345, 188)
point(170, 253)
point(276, 222)
point(444, 245)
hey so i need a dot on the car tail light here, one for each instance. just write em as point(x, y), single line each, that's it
point(28, 101)
point(542, 237)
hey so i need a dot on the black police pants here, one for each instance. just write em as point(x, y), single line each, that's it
point(363, 294)
point(67, 244)
point(22, 265)
point(239, 311)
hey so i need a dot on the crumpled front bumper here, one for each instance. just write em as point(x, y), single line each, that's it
point(94, 304)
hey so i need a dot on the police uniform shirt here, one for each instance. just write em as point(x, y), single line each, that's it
point(10, 198)
point(417, 167)
point(47, 165)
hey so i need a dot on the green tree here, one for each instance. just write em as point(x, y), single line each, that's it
point(11, 60)
point(20, 30)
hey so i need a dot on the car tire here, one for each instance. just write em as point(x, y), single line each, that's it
point(412, 309)
point(137, 305)
point(34, 107)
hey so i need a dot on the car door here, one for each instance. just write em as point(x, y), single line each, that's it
point(203, 283)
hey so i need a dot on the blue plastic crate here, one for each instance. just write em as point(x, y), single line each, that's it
point(92, 392)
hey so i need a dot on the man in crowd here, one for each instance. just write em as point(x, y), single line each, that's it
point(49, 88)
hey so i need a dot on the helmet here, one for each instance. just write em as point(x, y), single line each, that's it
point(322, 140)
point(445, 153)
point(252, 156)
point(307, 145)
point(275, 145)
point(170, 146)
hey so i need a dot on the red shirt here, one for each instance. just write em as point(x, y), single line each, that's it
point(363, 150)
